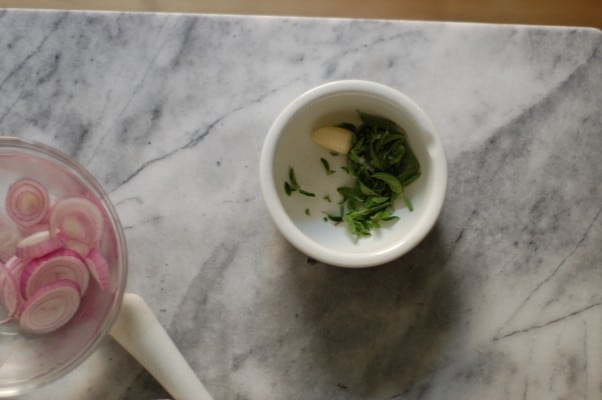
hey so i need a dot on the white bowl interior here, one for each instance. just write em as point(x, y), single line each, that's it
point(291, 146)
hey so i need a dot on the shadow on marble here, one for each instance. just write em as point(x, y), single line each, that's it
point(378, 332)
point(144, 387)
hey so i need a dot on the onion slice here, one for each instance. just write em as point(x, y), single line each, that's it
point(30, 230)
point(16, 266)
point(60, 264)
point(27, 202)
point(8, 243)
point(50, 307)
point(80, 248)
point(37, 245)
point(77, 218)
point(99, 268)
point(11, 299)
point(9, 237)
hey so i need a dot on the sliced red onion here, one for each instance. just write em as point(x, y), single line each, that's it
point(50, 307)
point(60, 264)
point(27, 202)
point(11, 299)
point(8, 244)
point(99, 268)
point(30, 230)
point(79, 247)
point(37, 245)
point(16, 266)
point(78, 219)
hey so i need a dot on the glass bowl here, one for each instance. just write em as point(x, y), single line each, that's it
point(28, 361)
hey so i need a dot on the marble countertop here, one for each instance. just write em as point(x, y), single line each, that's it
point(501, 301)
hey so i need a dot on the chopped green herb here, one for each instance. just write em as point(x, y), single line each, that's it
point(334, 218)
point(293, 178)
point(326, 166)
point(349, 126)
point(383, 164)
point(293, 185)
point(306, 193)
point(390, 180)
point(288, 188)
point(407, 201)
point(366, 190)
point(334, 153)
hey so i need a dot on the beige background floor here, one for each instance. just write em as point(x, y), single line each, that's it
point(546, 12)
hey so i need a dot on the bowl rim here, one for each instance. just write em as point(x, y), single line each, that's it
point(44, 150)
point(300, 240)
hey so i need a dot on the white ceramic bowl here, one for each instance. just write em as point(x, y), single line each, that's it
point(289, 144)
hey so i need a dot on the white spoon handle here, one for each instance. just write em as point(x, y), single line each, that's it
point(140, 333)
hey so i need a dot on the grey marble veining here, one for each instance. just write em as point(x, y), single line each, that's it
point(501, 301)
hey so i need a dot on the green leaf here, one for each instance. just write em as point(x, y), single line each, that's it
point(366, 190)
point(383, 164)
point(334, 218)
point(306, 193)
point(292, 178)
point(349, 193)
point(293, 185)
point(391, 218)
point(411, 178)
point(374, 158)
point(288, 188)
point(357, 227)
point(376, 201)
point(390, 180)
point(407, 201)
point(349, 126)
point(326, 166)
point(379, 122)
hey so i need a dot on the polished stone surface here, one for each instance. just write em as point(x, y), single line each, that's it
point(501, 301)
